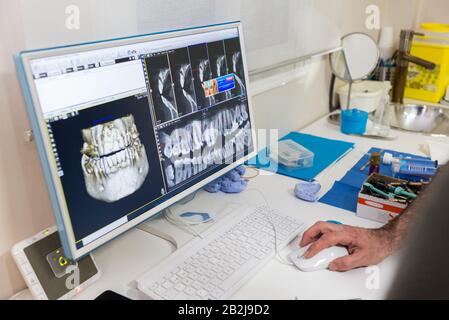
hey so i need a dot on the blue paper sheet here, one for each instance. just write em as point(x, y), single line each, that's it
point(326, 153)
point(344, 193)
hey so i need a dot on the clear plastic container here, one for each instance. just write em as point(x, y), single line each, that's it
point(382, 116)
point(292, 155)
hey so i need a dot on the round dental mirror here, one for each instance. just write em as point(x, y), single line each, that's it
point(357, 59)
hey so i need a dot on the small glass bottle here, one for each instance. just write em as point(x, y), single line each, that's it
point(375, 163)
point(383, 114)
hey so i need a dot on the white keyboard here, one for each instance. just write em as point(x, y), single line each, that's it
point(218, 265)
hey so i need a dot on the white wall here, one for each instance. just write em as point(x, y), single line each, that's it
point(24, 205)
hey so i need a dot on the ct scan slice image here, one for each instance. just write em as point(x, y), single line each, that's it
point(114, 160)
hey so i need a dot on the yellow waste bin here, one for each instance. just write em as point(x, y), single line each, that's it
point(430, 85)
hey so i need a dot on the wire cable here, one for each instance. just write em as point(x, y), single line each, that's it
point(180, 222)
point(255, 175)
point(276, 247)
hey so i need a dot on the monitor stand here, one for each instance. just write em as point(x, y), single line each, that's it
point(223, 207)
point(158, 226)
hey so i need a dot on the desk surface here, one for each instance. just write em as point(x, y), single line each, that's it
point(124, 259)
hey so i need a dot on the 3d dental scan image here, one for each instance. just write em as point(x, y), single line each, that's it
point(114, 160)
point(108, 160)
point(162, 91)
point(183, 82)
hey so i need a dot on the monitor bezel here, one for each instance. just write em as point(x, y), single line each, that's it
point(42, 139)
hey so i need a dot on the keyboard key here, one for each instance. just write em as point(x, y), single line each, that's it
point(208, 265)
point(182, 274)
point(233, 279)
point(187, 281)
point(222, 276)
point(216, 282)
point(194, 276)
point(189, 269)
point(227, 270)
point(209, 287)
point(180, 287)
point(170, 294)
point(260, 255)
point(190, 291)
point(202, 293)
point(159, 291)
point(197, 285)
point(217, 293)
point(153, 286)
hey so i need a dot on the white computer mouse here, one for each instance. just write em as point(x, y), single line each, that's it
point(319, 262)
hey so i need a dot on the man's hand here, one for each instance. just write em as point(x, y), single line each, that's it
point(366, 247)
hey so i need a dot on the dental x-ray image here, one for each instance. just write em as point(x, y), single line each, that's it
point(235, 65)
point(114, 160)
point(219, 65)
point(201, 68)
point(110, 162)
point(194, 145)
point(162, 92)
point(183, 82)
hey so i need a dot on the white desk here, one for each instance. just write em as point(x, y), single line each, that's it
point(135, 252)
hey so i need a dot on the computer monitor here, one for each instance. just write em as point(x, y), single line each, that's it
point(127, 127)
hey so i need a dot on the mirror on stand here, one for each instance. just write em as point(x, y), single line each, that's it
point(356, 61)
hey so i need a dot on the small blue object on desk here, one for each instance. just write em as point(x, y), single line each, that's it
point(344, 194)
point(196, 216)
point(354, 121)
point(327, 152)
point(307, 191)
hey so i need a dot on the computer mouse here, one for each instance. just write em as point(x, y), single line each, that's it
point(319, 262)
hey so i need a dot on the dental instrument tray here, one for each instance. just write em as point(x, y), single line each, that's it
point(292, 155)
point(383, 198)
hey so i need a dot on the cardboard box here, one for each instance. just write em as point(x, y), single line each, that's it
point(378, 209)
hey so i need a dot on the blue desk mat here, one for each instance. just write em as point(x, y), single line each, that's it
point(326, 153)
point(344, 193)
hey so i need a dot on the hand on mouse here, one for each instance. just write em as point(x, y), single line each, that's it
point(366, 247)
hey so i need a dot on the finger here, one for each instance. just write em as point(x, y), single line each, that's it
point(316, 231)
point(326, 241)
point(347, 263)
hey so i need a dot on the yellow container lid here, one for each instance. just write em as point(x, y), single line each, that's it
point(435, 27)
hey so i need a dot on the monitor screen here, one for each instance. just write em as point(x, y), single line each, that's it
point(130, 127)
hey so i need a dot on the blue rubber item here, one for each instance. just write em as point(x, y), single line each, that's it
point(229, 186)
point(204, 216)
point(241, 170)
point(213, 187)
point(233, 176)
point(308, 191)
point(354, 121)
point(232, 182)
